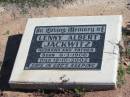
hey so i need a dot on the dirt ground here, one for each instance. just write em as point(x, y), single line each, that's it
point(13, 22)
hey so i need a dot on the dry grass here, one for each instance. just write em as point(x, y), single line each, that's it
point(36, 3)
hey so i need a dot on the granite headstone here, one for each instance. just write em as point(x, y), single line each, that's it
point(68, 52)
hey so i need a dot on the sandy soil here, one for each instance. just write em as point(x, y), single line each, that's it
point(12, 22)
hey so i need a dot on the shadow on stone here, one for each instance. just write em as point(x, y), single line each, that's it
point(9, 58)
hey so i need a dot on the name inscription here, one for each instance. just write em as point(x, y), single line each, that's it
point(66, 47)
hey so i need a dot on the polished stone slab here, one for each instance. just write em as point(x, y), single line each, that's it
point(68, 52)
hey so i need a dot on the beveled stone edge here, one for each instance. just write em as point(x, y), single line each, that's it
point(56, 86)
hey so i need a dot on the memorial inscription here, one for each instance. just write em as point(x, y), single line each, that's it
point(66, 47)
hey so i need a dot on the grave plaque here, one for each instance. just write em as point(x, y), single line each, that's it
point(66, 47)
point(68, 52)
